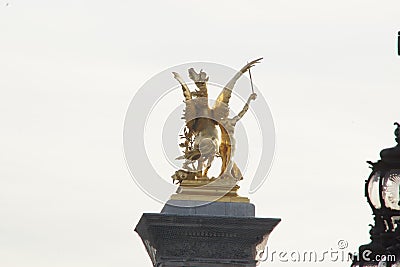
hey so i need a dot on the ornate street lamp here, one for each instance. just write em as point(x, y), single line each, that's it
point(382, 190)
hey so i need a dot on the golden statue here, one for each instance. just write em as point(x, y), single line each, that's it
point(201, 139)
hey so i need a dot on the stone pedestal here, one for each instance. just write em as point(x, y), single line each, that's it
point(213, 235)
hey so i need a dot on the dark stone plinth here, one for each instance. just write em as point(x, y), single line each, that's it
point(184, 207)
point(204, 240)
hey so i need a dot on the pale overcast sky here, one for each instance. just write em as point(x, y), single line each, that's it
point(69, 69)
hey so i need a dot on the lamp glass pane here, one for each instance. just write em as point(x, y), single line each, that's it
point(391, 192)
point(373, 190)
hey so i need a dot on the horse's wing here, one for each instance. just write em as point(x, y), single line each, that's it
point(221, 106)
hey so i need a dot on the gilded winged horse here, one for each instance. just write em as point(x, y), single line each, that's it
point(202, 143)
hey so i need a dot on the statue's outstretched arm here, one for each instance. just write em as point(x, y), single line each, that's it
point(186, 92)
point(253, 96)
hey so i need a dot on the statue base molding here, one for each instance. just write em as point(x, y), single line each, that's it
point(211, 190)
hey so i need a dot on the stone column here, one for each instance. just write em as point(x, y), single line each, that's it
point(217, 234)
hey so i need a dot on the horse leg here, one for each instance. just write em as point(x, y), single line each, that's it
point(209, 161)
point(223, 151)
point(200, 165)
